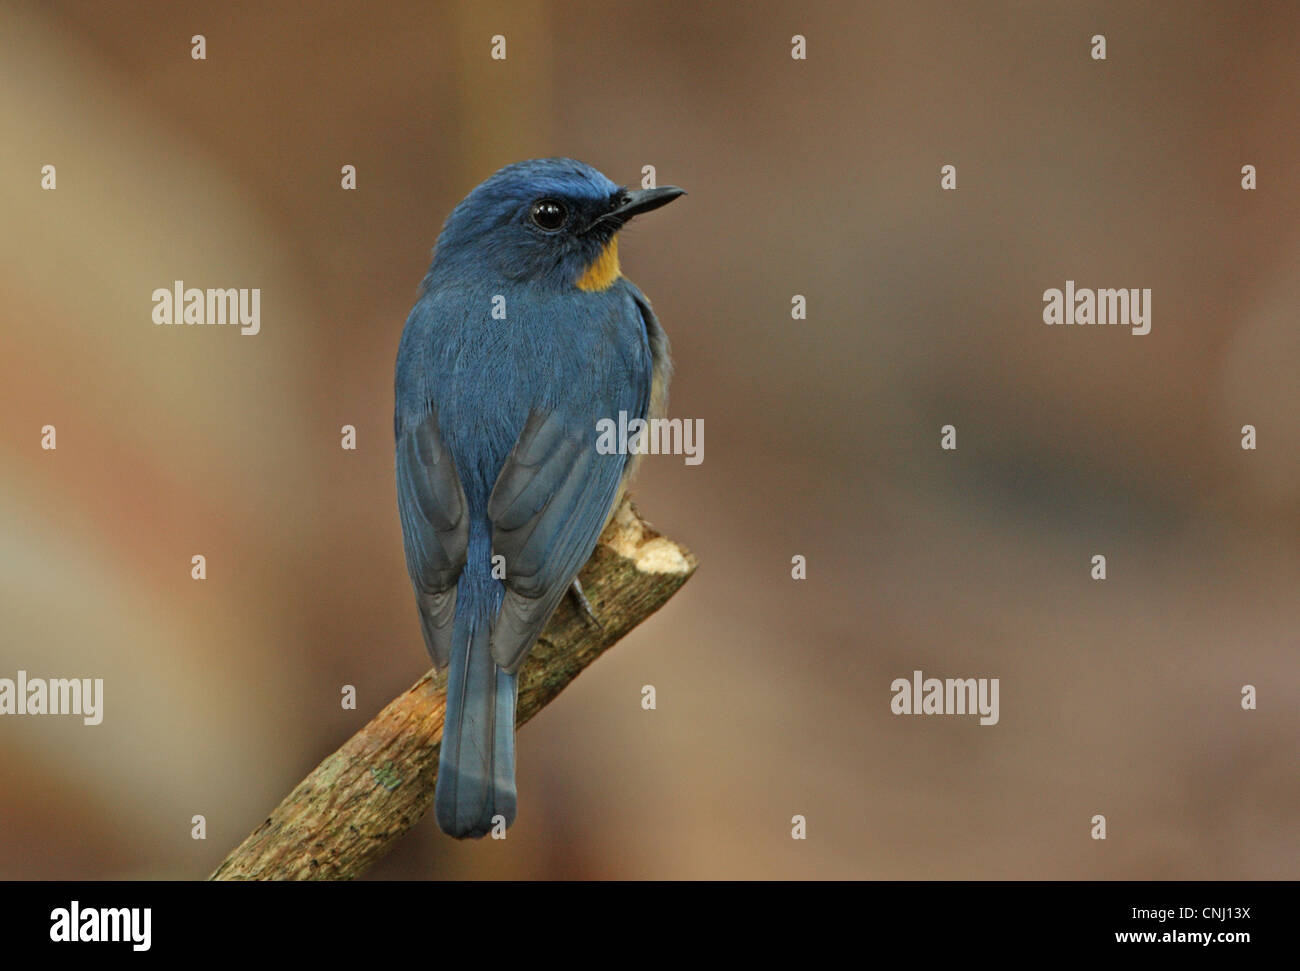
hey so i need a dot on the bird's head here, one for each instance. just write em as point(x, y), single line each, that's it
point(552, 221)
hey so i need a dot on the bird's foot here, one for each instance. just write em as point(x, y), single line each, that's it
point(583, 603)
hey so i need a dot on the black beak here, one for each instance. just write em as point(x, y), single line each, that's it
point(632, 202)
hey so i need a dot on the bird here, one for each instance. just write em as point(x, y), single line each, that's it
point(524, 337)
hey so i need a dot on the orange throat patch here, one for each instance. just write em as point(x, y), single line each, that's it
point(603, 271)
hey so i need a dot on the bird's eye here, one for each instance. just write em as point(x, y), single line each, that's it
point(548, 214)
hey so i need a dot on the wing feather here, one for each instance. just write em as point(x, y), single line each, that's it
point(435, 529)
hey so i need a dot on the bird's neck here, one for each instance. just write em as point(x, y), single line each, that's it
point(603, 271)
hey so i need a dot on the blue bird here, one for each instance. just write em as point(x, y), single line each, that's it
point(525, 335)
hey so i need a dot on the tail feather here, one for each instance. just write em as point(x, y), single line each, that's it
point(476, 767)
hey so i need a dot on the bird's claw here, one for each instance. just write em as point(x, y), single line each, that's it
point(583, 603)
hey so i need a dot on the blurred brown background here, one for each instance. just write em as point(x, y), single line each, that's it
point(816, 177)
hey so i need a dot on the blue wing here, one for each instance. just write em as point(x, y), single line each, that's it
point(435, 529)
point(553, 497)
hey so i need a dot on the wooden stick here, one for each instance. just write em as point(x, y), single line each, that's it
point(352, 807)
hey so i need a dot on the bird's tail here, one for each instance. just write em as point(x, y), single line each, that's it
point(476, 767)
